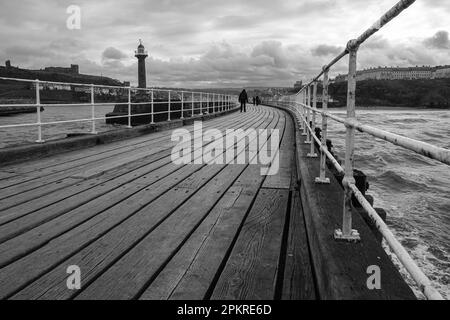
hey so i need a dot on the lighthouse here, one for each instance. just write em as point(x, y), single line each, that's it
point(141, 54)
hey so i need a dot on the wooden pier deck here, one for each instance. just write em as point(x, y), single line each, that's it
point(141, 227)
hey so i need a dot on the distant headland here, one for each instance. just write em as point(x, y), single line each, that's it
point(56, 74)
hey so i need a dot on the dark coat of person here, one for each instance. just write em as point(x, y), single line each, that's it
point(243, 97)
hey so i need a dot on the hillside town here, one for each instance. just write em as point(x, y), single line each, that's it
point(397, 73)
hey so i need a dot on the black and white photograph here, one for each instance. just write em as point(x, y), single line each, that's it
point(229, 159)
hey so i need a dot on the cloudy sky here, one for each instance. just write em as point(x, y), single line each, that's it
point(217, 43)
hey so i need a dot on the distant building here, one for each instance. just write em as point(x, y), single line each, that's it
point(396, 73)
point(74, 69)
point(8, 64)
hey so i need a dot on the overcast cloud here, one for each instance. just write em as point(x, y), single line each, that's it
point(216, 43)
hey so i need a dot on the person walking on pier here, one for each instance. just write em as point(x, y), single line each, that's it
point(243, 99)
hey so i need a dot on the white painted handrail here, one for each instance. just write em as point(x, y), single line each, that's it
point(300, 105)
point(215, 102)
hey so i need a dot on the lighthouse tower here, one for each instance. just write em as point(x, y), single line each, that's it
point(141, 54)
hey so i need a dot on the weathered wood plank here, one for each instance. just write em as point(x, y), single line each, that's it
point(162, 199)
point(36, 194)
point(83, 206)
point(39, 165)
point(40, 177)
point(298, 282)
point(190, 273)
point(252, 268)
point(62, 170)
point(163, 204)
point(147, 259)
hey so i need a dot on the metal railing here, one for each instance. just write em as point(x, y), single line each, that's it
point(190, 103)
point(300, 105)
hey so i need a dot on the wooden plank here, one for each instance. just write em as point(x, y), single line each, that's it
point(66, 169)
point(153, 204)
point(41, 234)
point(283, 178)
point(38, 165)
point(189, 274)
point(48, 194)
point(18, 218)
point(37, 193)
point(62, 167)
point(146, 257)
point(158, 208)
point(252, 268)
point(99, 195)
point(298, 282)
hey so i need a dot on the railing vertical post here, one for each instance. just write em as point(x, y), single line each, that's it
point(182, 105)
point(214, 102)
point(308, 115)
point(38, 109)
point(201, 103)
point(313, 153)
point(322, 179)
point(169, 106)
point(129, 108)
point(347, 233)
point(305, 129)
point(93, 130)
point(193, 104)
point(153, 107)
point(207, 103)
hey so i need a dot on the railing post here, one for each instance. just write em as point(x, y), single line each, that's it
point(93, 131)
point(313, 153)
point(308, 115)
point(129, 108)
point(38, 109)
point(168, 106)
point(347, 233)
point(322, 179)
point(201, 103)
point(305, 129)
point(182, 105)
point(193, 104)
point(153, 107)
